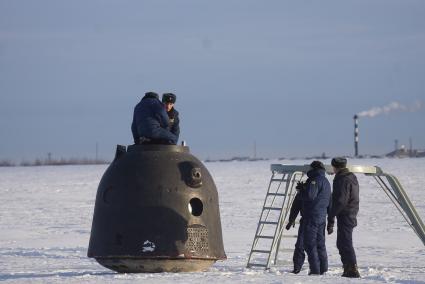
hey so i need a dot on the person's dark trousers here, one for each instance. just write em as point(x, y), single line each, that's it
point(321, 248)
point(344, 240)
point(314, 243)
point(299, 255)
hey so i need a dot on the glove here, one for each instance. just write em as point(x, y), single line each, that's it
point(288, 226)
point(330, 228)
point(300, 185)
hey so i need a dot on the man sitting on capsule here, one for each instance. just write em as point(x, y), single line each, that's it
point(151, 123)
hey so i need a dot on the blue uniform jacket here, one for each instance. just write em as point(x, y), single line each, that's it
point(149, 119)
point(316, 196)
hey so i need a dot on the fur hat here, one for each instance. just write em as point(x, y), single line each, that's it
point(339, 162)
point(169, 98)
point(317, 165)
point(152, 95)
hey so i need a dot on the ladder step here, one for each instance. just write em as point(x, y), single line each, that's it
point(264, 237)
point(268, 223)
point(260, 251)
point(256, 264)
point(286, 250)
point(278, 179)
point(276, 194)
point(272, 208)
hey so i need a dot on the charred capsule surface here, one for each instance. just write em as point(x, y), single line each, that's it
point(156, 210)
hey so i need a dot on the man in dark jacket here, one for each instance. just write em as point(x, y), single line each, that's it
point(316, 200)
point(169, 99)
point(299, 255)
point(150, 122)
point(345, 206)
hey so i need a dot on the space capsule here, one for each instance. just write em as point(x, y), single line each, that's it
point(156, 210)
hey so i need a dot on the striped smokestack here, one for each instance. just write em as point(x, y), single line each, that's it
point(356, 135)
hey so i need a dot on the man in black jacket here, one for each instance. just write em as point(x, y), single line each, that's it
point(345, 206)
point(169, 99)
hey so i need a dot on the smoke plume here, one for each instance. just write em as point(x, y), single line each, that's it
point(394, 106)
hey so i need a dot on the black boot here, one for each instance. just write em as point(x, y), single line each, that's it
point(296, 270)
point(351, 271)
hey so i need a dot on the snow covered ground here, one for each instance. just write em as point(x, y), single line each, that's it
point(46, 214)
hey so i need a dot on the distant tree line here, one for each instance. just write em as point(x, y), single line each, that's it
point(53, 162)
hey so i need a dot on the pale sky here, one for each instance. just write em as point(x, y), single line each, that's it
point(289, 75)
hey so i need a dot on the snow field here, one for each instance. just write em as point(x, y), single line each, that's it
point(46, 214)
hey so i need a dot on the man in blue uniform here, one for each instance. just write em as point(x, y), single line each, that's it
point(316, 202)
point(150, 122)
point(169, 99)
point(345, 206)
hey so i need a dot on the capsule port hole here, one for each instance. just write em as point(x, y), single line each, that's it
point(196, 207)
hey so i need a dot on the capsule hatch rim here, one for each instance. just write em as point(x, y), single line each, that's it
point(158, 147)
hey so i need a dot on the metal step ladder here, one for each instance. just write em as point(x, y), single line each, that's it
point(277, 203)
point(280, 195)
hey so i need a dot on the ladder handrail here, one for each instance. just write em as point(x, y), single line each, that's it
point(280, 168)
point(260, 228)
point(417, 224)
point(280, 220)
point(260, 225)
point(285, 194)
point(287, 210)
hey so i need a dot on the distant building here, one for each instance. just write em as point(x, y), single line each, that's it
point(402, 152)
point(420, 153)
